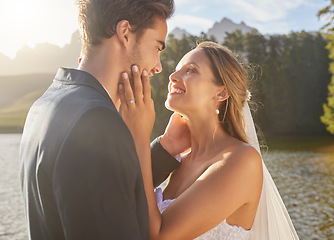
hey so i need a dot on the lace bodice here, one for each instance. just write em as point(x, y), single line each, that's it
point(222, 231)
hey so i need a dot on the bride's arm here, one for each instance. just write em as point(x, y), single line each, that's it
point(216, 194)
point(139, 117)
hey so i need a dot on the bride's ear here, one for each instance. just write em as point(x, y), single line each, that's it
point(222, 94)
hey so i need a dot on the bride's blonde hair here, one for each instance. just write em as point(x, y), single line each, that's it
point(228, 72)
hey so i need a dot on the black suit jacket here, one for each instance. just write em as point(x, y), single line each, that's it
point(80, 173)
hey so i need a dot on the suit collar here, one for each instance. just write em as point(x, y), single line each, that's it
point(77, 77)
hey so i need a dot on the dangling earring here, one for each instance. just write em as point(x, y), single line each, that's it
point(217, 110)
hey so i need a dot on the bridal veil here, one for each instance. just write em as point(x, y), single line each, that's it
point(272, 220)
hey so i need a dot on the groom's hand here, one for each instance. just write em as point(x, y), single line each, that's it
point(176, 138)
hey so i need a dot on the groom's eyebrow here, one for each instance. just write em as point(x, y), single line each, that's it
point(163, 44)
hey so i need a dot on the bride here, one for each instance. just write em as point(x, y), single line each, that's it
point(221, 189)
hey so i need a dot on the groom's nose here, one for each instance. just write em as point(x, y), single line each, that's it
point(158, 66)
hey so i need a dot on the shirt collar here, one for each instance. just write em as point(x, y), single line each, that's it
point(77, 77)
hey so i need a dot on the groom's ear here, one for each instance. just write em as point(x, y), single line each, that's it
point(123, 32)
point(222, 94)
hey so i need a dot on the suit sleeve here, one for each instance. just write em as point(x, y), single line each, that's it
point(162, 163)
point(97, 181)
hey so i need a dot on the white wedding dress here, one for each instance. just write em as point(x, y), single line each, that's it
point(272, 220)
point(222, 231)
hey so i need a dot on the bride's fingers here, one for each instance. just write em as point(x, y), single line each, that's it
point(121, 93)
point(146, 86)
point(138, 87)
point(128, 98)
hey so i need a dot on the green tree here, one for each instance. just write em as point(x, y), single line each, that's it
point(328, 117)
point(285, 70)
point(295, 77)
point(235, 42)
point(288, 73)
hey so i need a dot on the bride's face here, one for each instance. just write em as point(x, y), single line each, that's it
point(191, 87)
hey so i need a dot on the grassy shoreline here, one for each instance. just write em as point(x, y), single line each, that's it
point(11, 130)
point(301, 143)
point(323, 144)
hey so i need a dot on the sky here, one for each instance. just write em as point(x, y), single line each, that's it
point(29, 22)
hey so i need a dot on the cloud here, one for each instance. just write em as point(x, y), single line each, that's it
point(198, 8)
point(192, 6)
point(248, 10)
point(180, 2)
point(191, 23)
point(317, 4)
point(267, 28)
point(264, 10)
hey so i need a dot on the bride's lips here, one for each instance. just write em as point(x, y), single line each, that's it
point(175, 90)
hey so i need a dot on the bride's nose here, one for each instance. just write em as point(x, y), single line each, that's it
point(174, 77)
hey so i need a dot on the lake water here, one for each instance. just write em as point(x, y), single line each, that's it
point(306, 183)
point(304, 179)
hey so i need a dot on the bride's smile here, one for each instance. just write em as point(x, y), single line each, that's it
point(175, 90)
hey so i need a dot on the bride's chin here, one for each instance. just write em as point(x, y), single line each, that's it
point(167, 105)
point(170, 106)
point(173, 108)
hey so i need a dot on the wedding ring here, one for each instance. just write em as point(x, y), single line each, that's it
point(131, 101)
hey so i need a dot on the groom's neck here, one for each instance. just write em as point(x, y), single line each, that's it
point(106, 65)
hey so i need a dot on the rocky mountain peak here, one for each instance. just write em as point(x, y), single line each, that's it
point(226, 25)
point(218, 30)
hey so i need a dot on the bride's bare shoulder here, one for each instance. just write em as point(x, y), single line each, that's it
point(242, 157)
point(239, 167)
point(246, 151)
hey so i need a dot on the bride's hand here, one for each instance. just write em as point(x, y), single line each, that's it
point(176, 138)
point(137, 105)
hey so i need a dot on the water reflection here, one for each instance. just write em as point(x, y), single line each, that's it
point(306, 183)
point(304, 179)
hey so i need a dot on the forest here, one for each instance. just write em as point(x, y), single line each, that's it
point(288, 79)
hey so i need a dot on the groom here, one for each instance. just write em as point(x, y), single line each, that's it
point(80, 173)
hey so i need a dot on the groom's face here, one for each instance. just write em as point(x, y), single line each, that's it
point(146, 52)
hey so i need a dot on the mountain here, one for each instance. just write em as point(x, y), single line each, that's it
point(47, 58)
point(17, 94)
point(16, 86)
point(44, 58)
point(179, 33)
point(220, 29)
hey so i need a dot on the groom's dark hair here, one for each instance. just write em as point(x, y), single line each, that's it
point(98, 18)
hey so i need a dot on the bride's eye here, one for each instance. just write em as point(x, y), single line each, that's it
point(191, 70)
